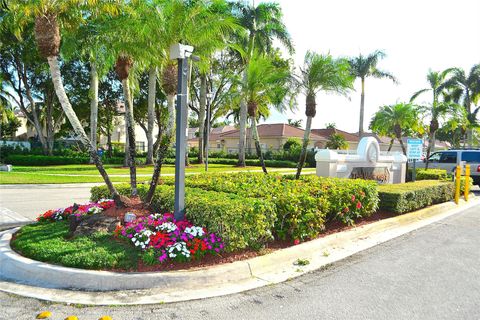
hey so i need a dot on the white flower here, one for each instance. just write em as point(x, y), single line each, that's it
point(195, 231)
point(167, 226)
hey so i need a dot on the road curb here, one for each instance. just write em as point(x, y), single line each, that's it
point(48, 282)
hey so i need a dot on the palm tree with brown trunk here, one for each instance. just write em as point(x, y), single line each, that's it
point(436, 109)
point(263, 24)
point(266, 84)
point(122, 67)
point(399, 120)
point(47, 16)
point(363, 67)
point(320, 73)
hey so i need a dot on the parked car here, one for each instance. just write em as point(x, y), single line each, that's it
point(449, 159)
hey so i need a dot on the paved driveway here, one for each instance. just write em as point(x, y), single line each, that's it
point(23, 201)
point(431, 273)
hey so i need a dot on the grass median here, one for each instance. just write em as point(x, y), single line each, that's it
point(89, 174)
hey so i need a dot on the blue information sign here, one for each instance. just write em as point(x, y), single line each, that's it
point(414, 149)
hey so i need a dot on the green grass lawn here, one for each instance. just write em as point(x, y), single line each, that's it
point(89, 174)
point(46, 242)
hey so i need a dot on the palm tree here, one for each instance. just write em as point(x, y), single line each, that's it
point(436, 109)
point(266, 85)
point(337, 142)
point(264, 25)
point(320, 73)
point(48, 15)
point(465, 89)
point(363, 67)
point(399, 120)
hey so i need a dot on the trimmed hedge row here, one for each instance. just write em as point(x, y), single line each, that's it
point(431, 174)
point(301, 206)
point(241, 222)
point(402, 198)
point(42, 160)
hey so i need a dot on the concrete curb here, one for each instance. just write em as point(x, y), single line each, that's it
point(48, 282)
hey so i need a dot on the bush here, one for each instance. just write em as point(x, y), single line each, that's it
point(406, 197)
point(41, 160)
point(241, 222)
point(431, 174)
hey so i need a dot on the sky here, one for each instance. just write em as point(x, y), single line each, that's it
point(416, 35)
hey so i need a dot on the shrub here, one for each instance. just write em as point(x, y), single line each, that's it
point(41, 160)
point(406, 197)
point(431, 174)
point(292, 143)
point(241, 222)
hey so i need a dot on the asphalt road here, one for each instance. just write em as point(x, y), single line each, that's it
point(431, 273)
point(28, 201)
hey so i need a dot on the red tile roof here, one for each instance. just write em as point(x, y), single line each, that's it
point(275, 130)
point(328, 132)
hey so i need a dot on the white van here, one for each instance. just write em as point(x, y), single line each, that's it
point(449, 159)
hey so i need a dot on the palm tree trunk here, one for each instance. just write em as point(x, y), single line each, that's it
point(362, 110)
point(431, 147)
point(129, 121)
point(77, 126)
point(152, 92)
point(171, 113)
point(399, 138)
point(242, 127)
point(50, 127)
point(303, 154)
point(165, 140)
point(257, 144)
point(93, 105)
point(391, 144)
point(201, 116)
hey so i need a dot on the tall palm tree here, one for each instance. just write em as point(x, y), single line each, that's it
point(48, 16)
point(401, 119)
point(436, 109)
point(193, 23)
point(320, 73)
point(465, 89)
point(363, 67)
point(265, 86)
point(264, 25)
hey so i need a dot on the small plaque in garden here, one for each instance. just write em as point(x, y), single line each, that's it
point(129, 217)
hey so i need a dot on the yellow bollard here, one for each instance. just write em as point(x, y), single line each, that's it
point(467, 182)
point(458, 174)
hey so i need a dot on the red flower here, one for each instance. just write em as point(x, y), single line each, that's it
point(353, 198)
point(359, 205)
point(296, 241)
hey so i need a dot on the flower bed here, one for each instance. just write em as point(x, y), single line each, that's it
point(162, 238)
point(157, 238)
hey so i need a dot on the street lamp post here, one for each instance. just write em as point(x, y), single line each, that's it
point(207, 139)
point(181, 53)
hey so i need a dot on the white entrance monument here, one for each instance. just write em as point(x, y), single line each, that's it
point(366, 163)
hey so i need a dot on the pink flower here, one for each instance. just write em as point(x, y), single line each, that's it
point(353, 198)
point(346, 210)
point(359, 205)
point(296, 241)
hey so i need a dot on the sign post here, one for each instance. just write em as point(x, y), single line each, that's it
point(414, 152)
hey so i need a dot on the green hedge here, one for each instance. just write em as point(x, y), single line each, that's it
point(406, 197)
point(302, 206)
point(255, 162)
point(41, 160)
point(241, 222)
point(431, 174)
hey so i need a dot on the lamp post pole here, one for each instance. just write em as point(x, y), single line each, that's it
point(181, 53)
point(207, 139)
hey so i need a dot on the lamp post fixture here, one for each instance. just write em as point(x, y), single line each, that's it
point(181, 53)
point(207, 139)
